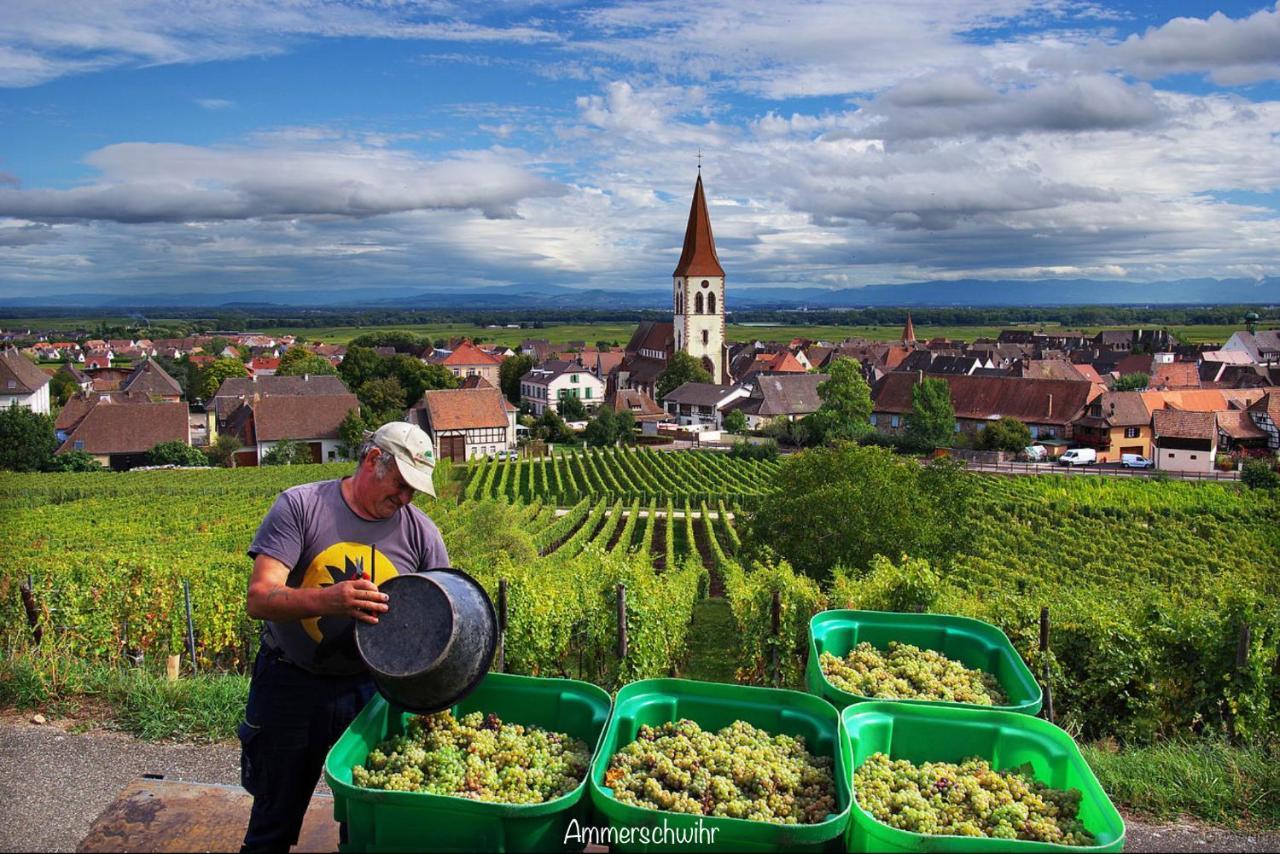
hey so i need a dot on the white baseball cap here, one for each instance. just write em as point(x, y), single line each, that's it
point(412, 451)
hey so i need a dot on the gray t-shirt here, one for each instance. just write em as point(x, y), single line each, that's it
point(312, 530)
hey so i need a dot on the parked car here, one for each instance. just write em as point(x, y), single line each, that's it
point(1135, 461)
point(1036, 453)
point(1078, 457)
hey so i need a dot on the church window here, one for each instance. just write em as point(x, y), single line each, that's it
point(704, 338)
point(711, 303)
point(705, 283)
point(697, 304)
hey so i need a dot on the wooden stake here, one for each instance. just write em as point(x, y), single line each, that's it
point(1044, 670)
point(502, 625)
point(775, 623)
point(622, 622)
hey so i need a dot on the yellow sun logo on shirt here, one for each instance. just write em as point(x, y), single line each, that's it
point(342, 562)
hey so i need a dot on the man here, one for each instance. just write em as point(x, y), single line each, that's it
point(318, 558)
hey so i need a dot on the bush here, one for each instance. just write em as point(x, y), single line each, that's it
point(176, 453)
point(1007, 434)
point(287, 453)
point(222, 450)
point(1257, 474)
point(744, 450)
point(73, 461)
point(911, 586)
point(27, 440)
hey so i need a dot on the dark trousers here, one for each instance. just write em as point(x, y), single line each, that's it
point(291, 720)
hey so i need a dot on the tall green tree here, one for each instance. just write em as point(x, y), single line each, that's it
point(602, 430)
point(845, 504)
point(298, 361)
point(62, 386)
point(27, 440)
point(1007, 434)
point(845, 412)
point(360, 365)
point(415, 377)
point(509, 374)
point(217, 371)
point(572, 409)
point(932, 421)
point(381, 400)
point(682, 369)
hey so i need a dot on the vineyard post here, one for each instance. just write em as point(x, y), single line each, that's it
point(775, 622)
point(191, 629)
point(622, 623)
point(502, 625)
point(1044, 666)
point(27, 592)
point(1241, 661)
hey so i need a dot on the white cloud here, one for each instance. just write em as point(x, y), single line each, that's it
point(215, 103)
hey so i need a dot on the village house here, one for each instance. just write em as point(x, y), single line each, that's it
point(544, 386)
point(119, 433)
point(1262, 348)
point(235, 391)
point(1265, 412)
point(468, 360)
point(771, 396)
point(697, 404)
point(466, 423)
point(1116, 423)
point(263, 366)
point(310, 419)
point(1184, 441)
point(643, 408)
point(22, 383)
point(153, 382)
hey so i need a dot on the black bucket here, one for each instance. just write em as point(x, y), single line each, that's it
point(434, 643)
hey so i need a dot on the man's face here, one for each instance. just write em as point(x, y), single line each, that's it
point(388, 493)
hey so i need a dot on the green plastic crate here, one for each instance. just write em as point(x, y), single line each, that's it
point(380, 820)
point(922, 733)
point(973, 643)
point(712, 706)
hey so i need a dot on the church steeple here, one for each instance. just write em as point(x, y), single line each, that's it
point(698, 257)
point(908, 332)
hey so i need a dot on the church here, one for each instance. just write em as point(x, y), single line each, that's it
point(697, 309)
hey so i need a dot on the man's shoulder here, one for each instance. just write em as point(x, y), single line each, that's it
point(308, 493)
point(419, 518)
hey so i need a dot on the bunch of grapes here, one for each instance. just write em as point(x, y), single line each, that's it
point(477, 757)
point(908, 672)
point(739, 772)
point(969, 799)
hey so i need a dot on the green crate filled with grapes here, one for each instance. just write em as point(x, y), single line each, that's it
point(504, 770)
point(859, 656)
point(936, 778)
point(699, 765)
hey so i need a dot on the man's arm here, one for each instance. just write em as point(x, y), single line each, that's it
point(270, 599)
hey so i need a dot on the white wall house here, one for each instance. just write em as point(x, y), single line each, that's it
point(544, 386)
point(21, 382)
point(466, 423)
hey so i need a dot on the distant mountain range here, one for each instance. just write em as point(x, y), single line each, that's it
point(962, 292)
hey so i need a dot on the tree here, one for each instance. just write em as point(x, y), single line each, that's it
point(176, 453)
point(602, 431)
point(298, 361)
point(1257, 474)
point(351, 434)
point(1132, 382)
point(843, 505)
point(736, 421)
point(27, 440)
point(360, 365)
point(222, 450)
point(682, 369)
point(626, 420)
point(73, 461)
point(217, 371)
point(416, 376)
point(932, 421)
point(286, 453)
point(381, 400)
point(1007, 434)
point(571, 409)
point(551, 427)
point(845, 412)
point(62, 386)
point(509, 374)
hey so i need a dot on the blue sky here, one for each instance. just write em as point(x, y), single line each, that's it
point(383, 147)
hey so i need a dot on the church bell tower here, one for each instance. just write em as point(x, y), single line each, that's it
point(698, 292)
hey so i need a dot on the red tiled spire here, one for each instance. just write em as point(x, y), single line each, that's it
point(698, 258)
point(908, 332)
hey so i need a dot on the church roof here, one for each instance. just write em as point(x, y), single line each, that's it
point(698, 258)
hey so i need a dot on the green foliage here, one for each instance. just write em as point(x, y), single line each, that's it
point(62, 386)
point(73, 461)
point(286, 453)
point(735, 421)
point(910, 586)
point(415, 377)
point(845, 412)
point(1007, 434)
point(1257, 474)
point(176, 453)
point(681, 369)
point(215, 372)
point(843, 505)
point(510, 372)
point(27, 440)
point(1132, 382)
point(743, 450)
point(381, 400)
point(572, 409)
point(221, 451)
point(359, 365)
point(351, 434)
point(551, 428)
point(750, 595)
point(931, 423)
point(298, 361)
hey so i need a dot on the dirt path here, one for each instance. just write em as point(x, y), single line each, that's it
point(54, 782)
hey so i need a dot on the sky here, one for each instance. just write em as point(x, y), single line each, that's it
point(386, 146)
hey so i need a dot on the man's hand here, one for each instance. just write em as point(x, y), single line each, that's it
point(358, 598)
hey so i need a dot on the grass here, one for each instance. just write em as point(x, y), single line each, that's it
point(1237, 787)
point(711, 658)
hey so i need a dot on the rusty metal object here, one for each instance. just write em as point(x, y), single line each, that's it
point(153, 814)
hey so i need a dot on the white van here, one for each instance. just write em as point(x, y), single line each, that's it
point(1135, 461)
point(1078, 457)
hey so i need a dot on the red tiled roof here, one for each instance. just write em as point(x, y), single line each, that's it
point(476, 381)
point(1183, 425)
point(698, 257)
point(652, 335)
point(133, 428)
point(1175, 375)
point(1238, 425)
point(467, 353)
point(1270, 404)
point(782, 362)
point(151, 379)
point(978, 397)
point(312, 416)
point(264, 363)
point(464, 409)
